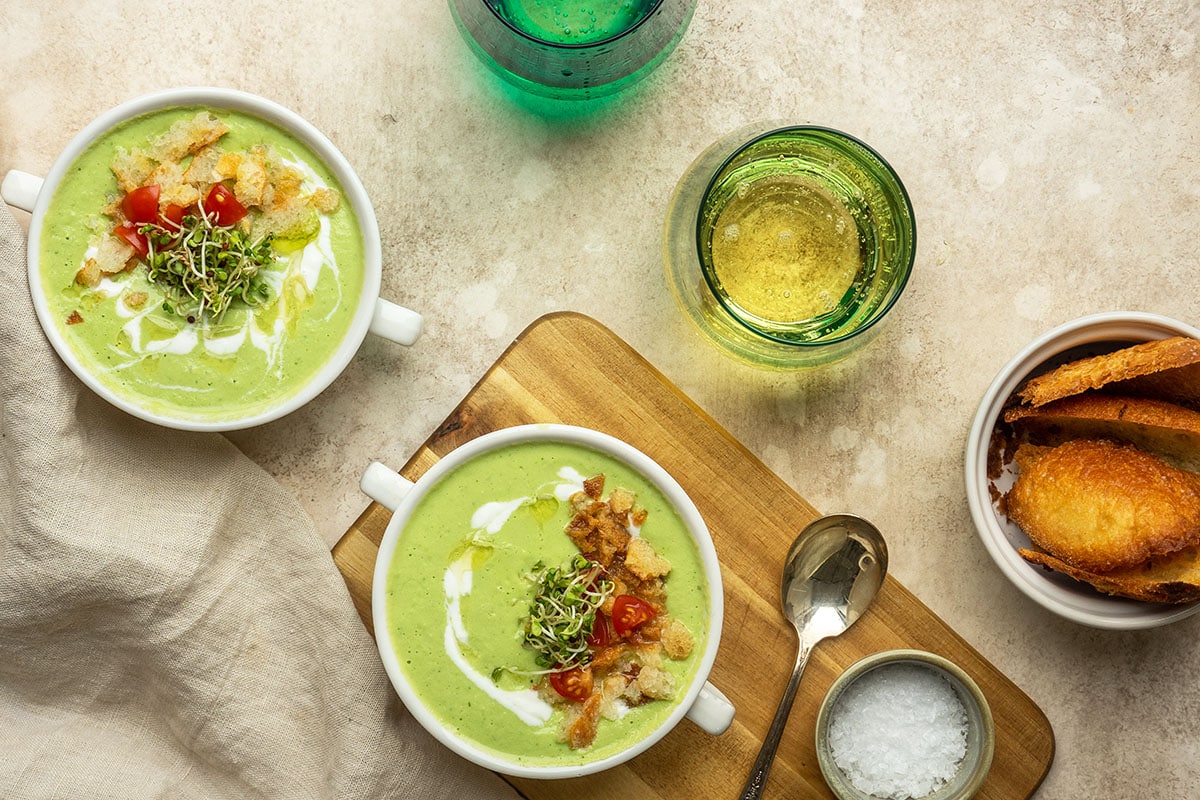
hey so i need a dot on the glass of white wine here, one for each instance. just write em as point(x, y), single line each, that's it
point(788, 245)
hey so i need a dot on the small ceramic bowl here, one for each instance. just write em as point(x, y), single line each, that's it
point(1080, 338)
point(981, 734)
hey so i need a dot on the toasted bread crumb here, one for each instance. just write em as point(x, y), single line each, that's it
point(654, 682)
point(326, 200)
point(644, 562)
point(203, 169)
point(131, 169)
point(74, 318)
point(594, 486)
point(677, 640)
point(188, 136)
point(112, 255)
point(89, 274)
point(227, 165)
point(252, 177)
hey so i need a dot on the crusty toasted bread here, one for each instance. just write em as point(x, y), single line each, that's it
point(1167, 430)
point(1166, 369)
point(1101, 506)
point(1169, 579)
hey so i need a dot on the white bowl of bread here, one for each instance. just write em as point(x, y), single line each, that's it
point(1083, 470)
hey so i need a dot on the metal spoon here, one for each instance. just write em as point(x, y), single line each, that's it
point(833, 571)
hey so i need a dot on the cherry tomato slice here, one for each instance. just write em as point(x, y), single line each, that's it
point(223, 205)
point(141, 205)
point(629, 612)
point(130, 234)
point(172, 216)
point(574, 684)
point(602, 634)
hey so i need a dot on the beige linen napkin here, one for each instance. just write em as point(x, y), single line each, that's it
point(171, 624)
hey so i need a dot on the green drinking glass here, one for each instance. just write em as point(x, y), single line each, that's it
point(787, 245)
point(572, 49)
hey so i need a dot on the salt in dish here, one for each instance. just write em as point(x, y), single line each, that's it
point(904, 725)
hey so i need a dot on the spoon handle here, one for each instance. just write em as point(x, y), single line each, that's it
point(757, 781)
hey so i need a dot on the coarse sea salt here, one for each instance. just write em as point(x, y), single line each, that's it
point(899, 731)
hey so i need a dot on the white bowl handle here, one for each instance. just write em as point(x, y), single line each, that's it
point(384, 486)
point(20, 189)
point(397, 323)
point(712, 710)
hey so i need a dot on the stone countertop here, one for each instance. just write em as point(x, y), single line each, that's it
point(1050, 151)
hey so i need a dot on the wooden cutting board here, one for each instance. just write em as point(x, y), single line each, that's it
point(568, 368)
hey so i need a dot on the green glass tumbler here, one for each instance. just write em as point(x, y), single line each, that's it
point(572, 49)
point(787, 245)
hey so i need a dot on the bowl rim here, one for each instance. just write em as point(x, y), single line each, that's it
point(596, 440)
point(953, 672)
point(291, 123)
point(1078, 604)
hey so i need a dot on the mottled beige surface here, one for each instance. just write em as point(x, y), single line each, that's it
point(1050, 150)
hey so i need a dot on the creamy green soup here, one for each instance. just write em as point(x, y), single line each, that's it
point(459, 592)
point(245, 363)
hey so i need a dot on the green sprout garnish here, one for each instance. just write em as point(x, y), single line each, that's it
point(563, 612)
point(203, 267)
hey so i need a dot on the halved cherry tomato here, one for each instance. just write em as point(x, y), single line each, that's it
point(133, 237)
point(629, 612)
point(221, 203)
point(141, 205)
point(574, 684)
point(602, 634)
point(172, 216)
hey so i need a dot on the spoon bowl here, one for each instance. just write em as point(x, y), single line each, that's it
point(833, 571)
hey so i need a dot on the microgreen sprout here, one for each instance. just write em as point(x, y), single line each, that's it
point(203, 267)
point(563, 612)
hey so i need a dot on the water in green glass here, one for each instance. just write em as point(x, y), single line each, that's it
point(572, 50)
point(573, 22)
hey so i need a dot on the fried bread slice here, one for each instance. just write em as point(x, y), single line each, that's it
point(1168, 579)
point(1100, 506)
point(1167, 430)
point(1166, 369)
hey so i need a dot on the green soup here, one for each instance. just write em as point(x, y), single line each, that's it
point(251, 359)
point(459, 591)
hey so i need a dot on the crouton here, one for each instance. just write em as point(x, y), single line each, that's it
point(74, 318)
point(677, 640)
point(131, 168)
point(594, 486)
point(610, 693)
point(644, 562)
point(203, 169)
point(654, 682)
point(112, 255)
point(326, 200)
point(89, 274)
point(252, 177)
point(188, 136)
point(581, 731)
point(172, 185)
point(621, 500)
point(227, 165)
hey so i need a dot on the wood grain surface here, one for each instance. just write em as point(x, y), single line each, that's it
point(568, 368)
